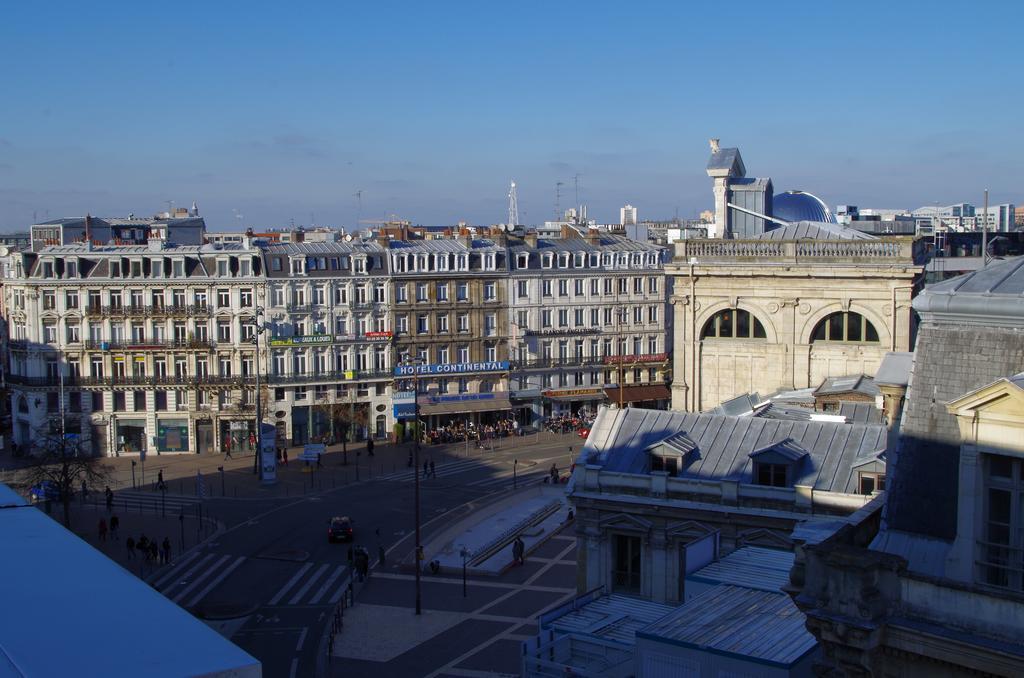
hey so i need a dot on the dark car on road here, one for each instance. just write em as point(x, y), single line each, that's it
point(340, 529)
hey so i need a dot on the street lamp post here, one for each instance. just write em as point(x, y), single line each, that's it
point(257, 331)
point(464, 552)
point(407, 361)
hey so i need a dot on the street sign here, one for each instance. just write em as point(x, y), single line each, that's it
point(268, 454)
point(312, 451)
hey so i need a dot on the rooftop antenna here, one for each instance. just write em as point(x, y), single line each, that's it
point(513, 206)
point(576, 186)
point(558, 199)
point(359, 205)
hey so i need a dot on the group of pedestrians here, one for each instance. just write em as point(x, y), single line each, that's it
point(149, 550)
point(567, 423)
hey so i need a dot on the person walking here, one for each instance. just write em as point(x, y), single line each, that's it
point(166, 555)
point(85, 491)
point(426, 468)
point(433, 471)
point(227, 449)
point(115, 525)
point(369, 447)
point(103, 529)
point(129, 544)
point(143, 546)
point(518, 548)
point(159, 480)
point(153, 551)
point(318, 463)
point(109, 495)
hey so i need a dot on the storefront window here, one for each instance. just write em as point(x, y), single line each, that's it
point(172, 435)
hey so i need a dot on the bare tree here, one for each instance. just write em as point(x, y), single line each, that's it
point(343, 414)
point(62, 462)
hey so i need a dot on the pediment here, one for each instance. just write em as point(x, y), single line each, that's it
point(763, 537)
point(1004, 396)
point(626, 522)
point(688, 529)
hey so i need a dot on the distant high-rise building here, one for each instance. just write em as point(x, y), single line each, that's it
point(627, 216)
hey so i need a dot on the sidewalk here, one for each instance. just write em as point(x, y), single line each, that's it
point(85, 523)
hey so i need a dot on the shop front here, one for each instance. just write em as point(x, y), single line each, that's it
point(526, 406)
point(172, 435)
point(468, 410)
point(574, 402)
point(650, 396)
point(238, 436)
point(131, 435)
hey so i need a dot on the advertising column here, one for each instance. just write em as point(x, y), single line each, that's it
point(268, 453)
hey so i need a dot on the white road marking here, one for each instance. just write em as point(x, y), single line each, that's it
point(221, 577)
point(174, 569)
point(302, 639)
point(291, 582)
point(195, 582)
point(327, 584)
point(192, 569)
point(295, 668)
point(309, 583)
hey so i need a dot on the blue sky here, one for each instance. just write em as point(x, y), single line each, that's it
point(283, 111)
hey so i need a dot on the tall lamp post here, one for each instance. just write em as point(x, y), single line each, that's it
point(414, 363)
point(257, 331)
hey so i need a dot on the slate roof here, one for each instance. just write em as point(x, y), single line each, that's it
point(970, 335)
point(813, 230)
point(727, 159)
point(339, 247)
point(763, 626)
point(613, 617)
point(619, 441)
point(861, 413)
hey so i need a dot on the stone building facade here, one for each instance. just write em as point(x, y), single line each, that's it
point(586, 314)
point(329, 338)
point(450, 306)
point(786, 311)
point(135, 347)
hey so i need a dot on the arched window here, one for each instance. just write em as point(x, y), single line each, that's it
point(845, 326)
point(733, 323)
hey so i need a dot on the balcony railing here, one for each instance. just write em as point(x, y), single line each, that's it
point(151, 311)
point(329, 377)
point(148, 380)
point(767, 251)
point(149, 344)
point(544, 363)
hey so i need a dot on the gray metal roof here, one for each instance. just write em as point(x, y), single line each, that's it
point(752, 567)
point(614, 617)
point(620, 439)
point(996, 290)
point(813, 230)
point(746, 623)
point(339, 247)
point(168, 248)
point(860, 384)
point(445, 245)
point(861, 413)
point(895, 368)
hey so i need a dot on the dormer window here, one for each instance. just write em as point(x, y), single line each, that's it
point(523, 260)
point(673, 454)
point(778, 464)
point(563, 260)
point(548, 260)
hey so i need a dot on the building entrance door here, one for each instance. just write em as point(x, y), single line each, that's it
point(204, 437)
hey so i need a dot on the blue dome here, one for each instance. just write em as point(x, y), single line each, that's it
point(800, 206)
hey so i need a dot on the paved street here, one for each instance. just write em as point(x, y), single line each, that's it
point(269, 579)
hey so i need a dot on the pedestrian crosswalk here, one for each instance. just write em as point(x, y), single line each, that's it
point(499, 475)
point(155, 501)
point(190, 579)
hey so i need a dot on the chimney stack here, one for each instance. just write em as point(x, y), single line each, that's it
point(531, 239)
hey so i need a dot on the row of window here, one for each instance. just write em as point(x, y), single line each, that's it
point(604, 286)
point(604, 316)
point(565, 349)
point(120, 401)
point(843, 326)
point(136, 298)
point(147, 267)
